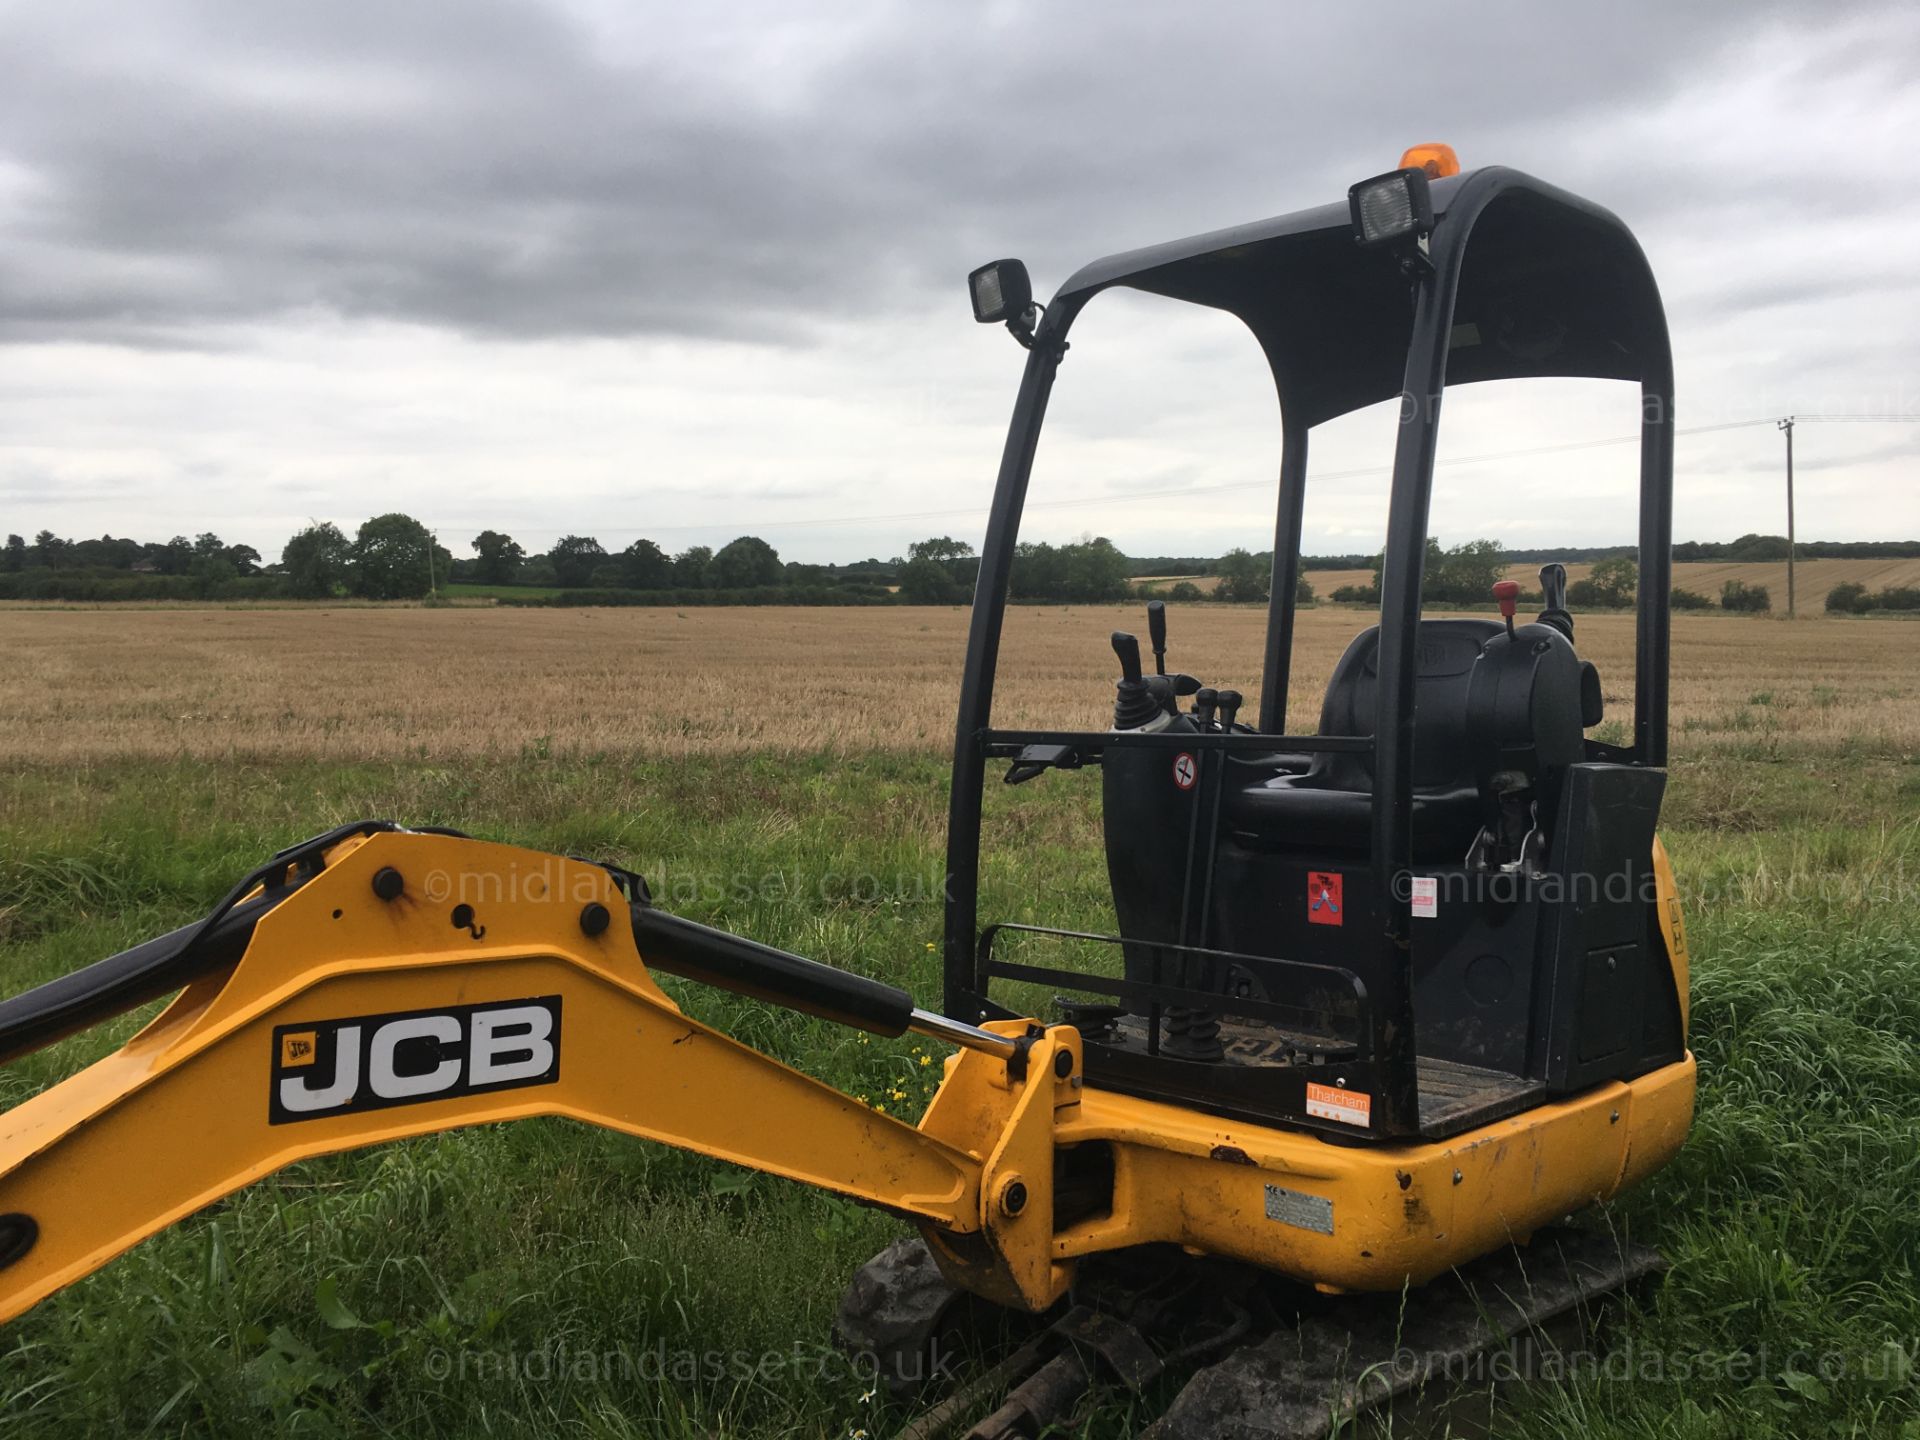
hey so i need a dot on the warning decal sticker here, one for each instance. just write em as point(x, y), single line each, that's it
point(1326, 898)
point(1426, 897)
point(1349, 1107)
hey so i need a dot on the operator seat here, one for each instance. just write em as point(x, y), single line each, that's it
point(1329, 808)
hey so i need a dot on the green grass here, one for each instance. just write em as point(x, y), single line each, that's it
point(538, 1278)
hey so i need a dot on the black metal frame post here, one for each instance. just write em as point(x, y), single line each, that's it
point(1654, 643)
point(963, 998)
point(1277, 672)
point(1402, 574)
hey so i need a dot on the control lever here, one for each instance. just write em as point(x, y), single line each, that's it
point(1230, 702)
point(1507, 593)
point(1553, 596)
point(1203, 703)
point(1135, 706)
point(1157, 633)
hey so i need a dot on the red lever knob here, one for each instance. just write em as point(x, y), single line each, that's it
point(1507, 592)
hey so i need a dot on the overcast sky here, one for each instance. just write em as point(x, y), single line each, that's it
point(687, 271)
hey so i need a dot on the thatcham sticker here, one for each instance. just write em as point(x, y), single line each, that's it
point(1349, 1107)
point(370, 1062)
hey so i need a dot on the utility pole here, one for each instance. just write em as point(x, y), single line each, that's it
point(1786, 428)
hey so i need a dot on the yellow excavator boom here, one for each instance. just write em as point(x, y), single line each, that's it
point(354, 1020)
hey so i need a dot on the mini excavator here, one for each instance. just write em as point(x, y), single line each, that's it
point(1387, 1002)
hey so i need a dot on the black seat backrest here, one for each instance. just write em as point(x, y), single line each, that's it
point(1442, 746)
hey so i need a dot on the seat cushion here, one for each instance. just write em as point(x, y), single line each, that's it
point(1330, 808)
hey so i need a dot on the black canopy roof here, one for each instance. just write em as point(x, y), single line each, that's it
point(1549, 284)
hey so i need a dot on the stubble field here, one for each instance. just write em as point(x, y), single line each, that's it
point(118, 683)
point(783, 773)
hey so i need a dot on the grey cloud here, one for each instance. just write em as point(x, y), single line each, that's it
point(39, 486)
point(1823, 449)
point(508, 169)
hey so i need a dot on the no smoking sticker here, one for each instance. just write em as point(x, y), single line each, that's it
point(1326, 898)
point(1185, 771)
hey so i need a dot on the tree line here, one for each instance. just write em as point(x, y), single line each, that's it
point(389, 557)
point(939, 570)
point(396, 557)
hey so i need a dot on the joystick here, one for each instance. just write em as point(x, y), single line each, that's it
point(1507, 594)
point(1135, 707)
point(1204, 699)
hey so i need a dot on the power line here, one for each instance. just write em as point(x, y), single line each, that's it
point(1888, 417)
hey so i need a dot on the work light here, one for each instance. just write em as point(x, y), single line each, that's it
point(1394, 208)
point(1001, 292)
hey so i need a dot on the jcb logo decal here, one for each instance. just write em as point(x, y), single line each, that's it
point(368, 1062)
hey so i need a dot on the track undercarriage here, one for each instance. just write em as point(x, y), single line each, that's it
point(1210, 1349)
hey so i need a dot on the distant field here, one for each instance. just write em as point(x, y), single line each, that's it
point(1815, 577)
point(1325, 582)
point(1160, 584)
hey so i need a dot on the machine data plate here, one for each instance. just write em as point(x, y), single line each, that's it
point(1300, 1210)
